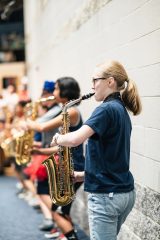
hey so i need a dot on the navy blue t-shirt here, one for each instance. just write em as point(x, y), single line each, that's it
point(77, 152)
point(108, 150)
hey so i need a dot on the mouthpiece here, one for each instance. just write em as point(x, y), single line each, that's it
point(87, 96)
point(76, 101)
point(50, 98)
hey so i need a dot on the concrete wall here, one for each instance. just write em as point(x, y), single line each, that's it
point(70, 38)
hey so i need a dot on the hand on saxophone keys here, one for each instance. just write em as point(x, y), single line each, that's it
point(27, 125)
point(54, 140)
point(78, 176)
point(23, 125)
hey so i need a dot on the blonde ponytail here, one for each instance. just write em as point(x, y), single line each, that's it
point(131, 98)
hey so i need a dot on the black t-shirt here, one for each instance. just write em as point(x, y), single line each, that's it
point(77, 152)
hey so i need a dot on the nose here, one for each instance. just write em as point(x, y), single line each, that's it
point(93, 85)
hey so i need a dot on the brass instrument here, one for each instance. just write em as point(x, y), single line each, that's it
point(24, 141)
point(6, 144)
point(60, 166)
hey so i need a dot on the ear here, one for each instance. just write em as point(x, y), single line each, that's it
point(111, 81)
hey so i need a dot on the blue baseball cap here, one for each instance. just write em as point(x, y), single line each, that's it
point(48, 86)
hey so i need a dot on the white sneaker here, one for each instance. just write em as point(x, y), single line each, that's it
point(46, 225)
point(54, 233)
point(28, 196)
point(22, 195)
point(19, 185)
point(33, 202)
point(61, 237)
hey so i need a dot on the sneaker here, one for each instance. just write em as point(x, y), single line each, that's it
point(20, 190)
point(46, 225)
point(22, 194)
point(54, 233)
point(19, 185)
point(37, 207)
point(33, 202)
point(28, 196)
point(61, 237)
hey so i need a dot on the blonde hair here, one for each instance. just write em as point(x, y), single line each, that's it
point(127, 86)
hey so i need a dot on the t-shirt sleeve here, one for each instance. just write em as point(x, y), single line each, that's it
point(99, 120)
point(52, 113)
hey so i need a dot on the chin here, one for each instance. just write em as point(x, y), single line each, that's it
point(97, 98)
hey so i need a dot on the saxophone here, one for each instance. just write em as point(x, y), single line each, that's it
point(24, 141)
point(59, 166)
point(7, 145)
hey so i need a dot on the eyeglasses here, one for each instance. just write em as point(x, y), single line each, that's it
point(96, 79)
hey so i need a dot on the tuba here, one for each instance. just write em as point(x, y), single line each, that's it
point(60, 166)
point(24, 141)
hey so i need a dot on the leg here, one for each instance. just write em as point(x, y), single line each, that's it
point(45, 204)
point(63, 220)
point(45, 198)
point(65, 224)
point(102, 217)
point(30, 186)
point(129, 199)
point(106, 214)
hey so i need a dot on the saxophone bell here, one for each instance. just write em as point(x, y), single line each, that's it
point(60, 180)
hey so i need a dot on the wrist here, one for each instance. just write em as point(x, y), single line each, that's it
point(56, 139)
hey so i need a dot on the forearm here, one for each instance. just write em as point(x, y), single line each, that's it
point(33, 125)
point(37, 144)
point(45, 126)
point(46, 151)
point(69, 139)
point(73, 139)
point(49, 151)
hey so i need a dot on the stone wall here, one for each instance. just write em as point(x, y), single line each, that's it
point(143, 223)
point(144, 220)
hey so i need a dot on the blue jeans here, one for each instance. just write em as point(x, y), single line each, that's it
point(107, 213)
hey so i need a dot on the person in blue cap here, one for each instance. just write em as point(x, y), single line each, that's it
point(47, 91)
point(41, 147)
point(53, 109)
point(48, 87)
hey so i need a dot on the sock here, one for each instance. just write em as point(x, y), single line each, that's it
point(71, 235)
